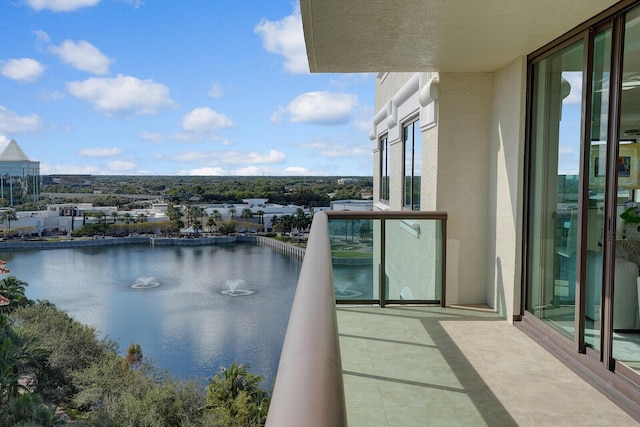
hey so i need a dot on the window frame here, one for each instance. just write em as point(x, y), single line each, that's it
point(409, 195)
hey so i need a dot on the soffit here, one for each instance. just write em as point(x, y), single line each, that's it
point(434, 35)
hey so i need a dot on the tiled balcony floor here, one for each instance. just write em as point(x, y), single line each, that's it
point(426, 366)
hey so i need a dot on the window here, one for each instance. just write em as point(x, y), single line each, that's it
point(412, 164)
point(384, 169)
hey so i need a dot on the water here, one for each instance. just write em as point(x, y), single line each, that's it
point(168, 299)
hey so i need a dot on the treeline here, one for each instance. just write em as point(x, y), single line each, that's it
point(303, 191)
point(55, 371)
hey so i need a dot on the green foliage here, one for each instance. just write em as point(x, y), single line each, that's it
point(28, 410)
point(300, 190)
point(234, 396)
point(114, 395)
point(14, 289)
point(631, 215)
point(70, 345)
point(92, 229)
point(228, 228)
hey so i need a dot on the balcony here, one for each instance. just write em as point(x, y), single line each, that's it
point(384, 359)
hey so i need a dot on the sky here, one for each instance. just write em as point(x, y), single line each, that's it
point(175, 87)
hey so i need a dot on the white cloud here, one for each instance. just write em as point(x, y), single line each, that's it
point(151, 136)
point(302, 171)
point(23, 69)
point(215, 158)
point(322, 108)
point(122, 95)
point(121, 166)
point(100, 152)
point(12, 123)
point(46, 96)
point(133, 3)
point(286, 38)
point(338, 150)
point(215, 91)
point(277, 115)
point(204, 120)
point(83, 56)
point(574, 80)
point(60, 5)
point(41, 36)
point(206, 171)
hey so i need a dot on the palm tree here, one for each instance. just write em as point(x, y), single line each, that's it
point(232, 211)
point(9, 215)
point(194, 213)
point(14, 290)
point(230, 382)
point(114, 215)
point(246, 214)
point(260, 217)
point(211, 223)
point(274, 222)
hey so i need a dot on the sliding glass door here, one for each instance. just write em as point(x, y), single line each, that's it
point(554, 174)
point(583, 211)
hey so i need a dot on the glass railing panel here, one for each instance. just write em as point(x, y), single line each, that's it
point(353, 257)
point(413, 260)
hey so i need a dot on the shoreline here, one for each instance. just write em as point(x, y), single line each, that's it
point(278, 245)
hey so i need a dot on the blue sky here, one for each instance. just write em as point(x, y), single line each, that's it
point(197, 87)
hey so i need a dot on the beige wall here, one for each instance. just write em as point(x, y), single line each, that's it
point(464, 128)
point(472, 169)
point(506, 183)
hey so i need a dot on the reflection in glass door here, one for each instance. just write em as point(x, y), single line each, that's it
point(597, 171)
point(626, 318)
point(553, 205)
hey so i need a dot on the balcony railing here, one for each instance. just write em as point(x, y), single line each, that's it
point(388, 257)
point(347, 255)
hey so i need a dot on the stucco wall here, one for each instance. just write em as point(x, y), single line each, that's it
point(506, 188)
point(463, 141)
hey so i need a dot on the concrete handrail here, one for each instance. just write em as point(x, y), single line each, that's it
point(309, 389)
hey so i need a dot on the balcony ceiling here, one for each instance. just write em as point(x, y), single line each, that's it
point(434, 35)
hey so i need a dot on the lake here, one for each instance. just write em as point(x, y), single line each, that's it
point(184, 324)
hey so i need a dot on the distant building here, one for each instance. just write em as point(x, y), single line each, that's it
point(347, 181)
point(19, 176)
point(71, 180)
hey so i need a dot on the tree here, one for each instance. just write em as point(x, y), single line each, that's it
point(234, 395)
point(174, 213)
point(9, 215)
point(232, 212)
point(14, 289)
point(114, 215)
point(246, 214)
point(194, 213)
point(274, 222)
point(211, 223)
point(133, 359)
point(28, 410)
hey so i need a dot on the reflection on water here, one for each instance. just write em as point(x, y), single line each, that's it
point(181, 319)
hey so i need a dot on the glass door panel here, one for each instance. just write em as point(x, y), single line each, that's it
point(597, 170)
point(626, 320)
point(553, 204)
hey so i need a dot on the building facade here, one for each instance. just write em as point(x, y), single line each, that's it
point(521, 120)
point(19, 176)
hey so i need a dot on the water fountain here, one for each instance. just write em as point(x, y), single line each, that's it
point(342, 291)
point(232, 288)
point(145, 282)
